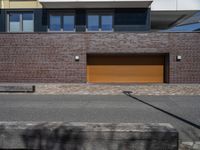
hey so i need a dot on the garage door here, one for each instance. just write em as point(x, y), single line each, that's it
point(125, 69)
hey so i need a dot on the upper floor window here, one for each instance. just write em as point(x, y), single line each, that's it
point(93, 23)
point(20, 22)
point(106, 23)
point(55, 23)
point(62, 22)
point(100, 22)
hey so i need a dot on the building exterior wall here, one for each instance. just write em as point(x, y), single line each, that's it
point(49, 57)
point(41, 16)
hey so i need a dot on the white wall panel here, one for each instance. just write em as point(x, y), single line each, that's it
point(188, 5)
point(173, 5)
point(164, 5)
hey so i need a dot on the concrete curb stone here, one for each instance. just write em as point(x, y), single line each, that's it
point(87, 136)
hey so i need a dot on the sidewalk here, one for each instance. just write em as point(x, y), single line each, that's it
point(112, 89)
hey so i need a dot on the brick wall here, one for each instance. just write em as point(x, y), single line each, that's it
point(49, 57)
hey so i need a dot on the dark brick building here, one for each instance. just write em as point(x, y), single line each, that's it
point(97, 46)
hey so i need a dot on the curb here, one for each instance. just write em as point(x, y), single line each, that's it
point(79, 136)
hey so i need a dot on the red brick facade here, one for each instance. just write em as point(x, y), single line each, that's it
point(49, 57)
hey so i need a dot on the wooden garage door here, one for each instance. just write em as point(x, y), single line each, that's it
point(125, 69)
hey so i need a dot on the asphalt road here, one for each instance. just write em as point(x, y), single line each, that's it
point(112, 109)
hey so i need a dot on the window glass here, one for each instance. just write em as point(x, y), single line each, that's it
point(93, 23)
point(68, 23)
point(27, 22)
point(131, 16)
point(55, 23)
point(106, 23)
point(14, 22)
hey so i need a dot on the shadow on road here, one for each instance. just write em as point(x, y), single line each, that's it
point(128, 93)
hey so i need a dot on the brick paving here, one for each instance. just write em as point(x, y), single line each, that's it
point(112, 89)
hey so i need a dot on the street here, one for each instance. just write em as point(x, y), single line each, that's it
point(108, 109)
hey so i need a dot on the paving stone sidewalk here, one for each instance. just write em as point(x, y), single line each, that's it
point(112, 89)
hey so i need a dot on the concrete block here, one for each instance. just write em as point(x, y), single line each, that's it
point(87, 136)
point(17, 88)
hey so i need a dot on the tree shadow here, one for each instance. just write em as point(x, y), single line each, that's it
point(61, 136)
point(49, 138)
point(3, 133)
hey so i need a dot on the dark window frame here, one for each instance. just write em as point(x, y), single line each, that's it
point(100, 13)
point(62, 14)
point(20, 21)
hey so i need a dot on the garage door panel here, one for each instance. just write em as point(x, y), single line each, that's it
point(126, 72)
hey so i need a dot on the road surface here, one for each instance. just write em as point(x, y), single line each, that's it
point(111, 109)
